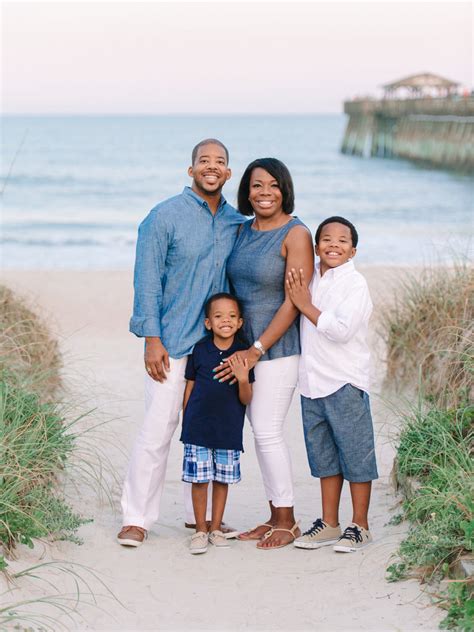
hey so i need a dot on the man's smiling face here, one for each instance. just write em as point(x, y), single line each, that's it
point(209, 171)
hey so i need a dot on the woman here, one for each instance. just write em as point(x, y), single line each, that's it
point(267, 247)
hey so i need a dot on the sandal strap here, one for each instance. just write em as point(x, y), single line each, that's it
point(269, 533)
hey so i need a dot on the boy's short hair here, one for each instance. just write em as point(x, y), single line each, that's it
point(208, 141)
point(215, 297)
point(339, 220)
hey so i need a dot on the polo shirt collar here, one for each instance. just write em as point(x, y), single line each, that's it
point(211, 347)
point(188, 191)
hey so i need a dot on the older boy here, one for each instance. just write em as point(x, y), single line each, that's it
point(334, 383)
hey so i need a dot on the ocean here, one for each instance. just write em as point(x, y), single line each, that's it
point(75, 188)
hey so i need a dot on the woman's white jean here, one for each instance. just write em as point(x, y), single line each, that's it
point(275, 383)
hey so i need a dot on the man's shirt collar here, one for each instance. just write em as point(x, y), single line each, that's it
point(195, 196)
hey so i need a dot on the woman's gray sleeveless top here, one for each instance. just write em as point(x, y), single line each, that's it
point(256, 272)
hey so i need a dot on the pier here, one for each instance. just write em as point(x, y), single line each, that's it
point(436, 130)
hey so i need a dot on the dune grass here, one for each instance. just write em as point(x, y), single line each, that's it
point(429, 336)
point(27, 349)
point(35, 439)
point(436, 449)
point(429, 333)
point(38, 438)
point(35, 443)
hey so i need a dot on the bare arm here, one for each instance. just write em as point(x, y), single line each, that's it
point(299, 252)
point(245, 393)
point(187, 392)
point(240, 369)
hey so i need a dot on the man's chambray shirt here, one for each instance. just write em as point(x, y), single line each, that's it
point(182, 251)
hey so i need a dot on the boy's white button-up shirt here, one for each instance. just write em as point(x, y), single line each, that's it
point(335, 351)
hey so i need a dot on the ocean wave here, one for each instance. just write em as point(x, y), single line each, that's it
point(48, 225)
point(69, 242)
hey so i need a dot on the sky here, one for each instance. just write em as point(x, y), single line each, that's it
point(222, 57)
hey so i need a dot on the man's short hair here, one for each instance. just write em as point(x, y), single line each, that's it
point(209, 141)
point(278, 170)
point(338, 220)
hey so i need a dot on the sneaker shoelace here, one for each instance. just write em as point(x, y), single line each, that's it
point(353, 534)
point(318, 525)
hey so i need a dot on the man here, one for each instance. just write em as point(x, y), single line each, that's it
point(182, 249)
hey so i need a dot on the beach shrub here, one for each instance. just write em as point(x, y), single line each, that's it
point(27, 349)
point(429, 333)
point(36, 442)
point(34, 446)
point(35, 439)
point(436, 448)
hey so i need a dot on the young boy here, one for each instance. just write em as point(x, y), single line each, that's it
point(213, 417)
point(334, 384)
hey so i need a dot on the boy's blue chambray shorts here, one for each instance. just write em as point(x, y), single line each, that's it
point(339, 435)
point(202, 465)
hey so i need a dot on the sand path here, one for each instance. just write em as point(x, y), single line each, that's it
point(162, 587)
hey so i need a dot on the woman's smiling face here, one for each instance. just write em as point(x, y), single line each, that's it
point(264, 194)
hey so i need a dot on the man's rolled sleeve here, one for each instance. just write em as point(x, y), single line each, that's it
point(152, 245)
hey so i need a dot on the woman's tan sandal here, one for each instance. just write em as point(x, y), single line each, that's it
point(273, 530)
point(243, 536)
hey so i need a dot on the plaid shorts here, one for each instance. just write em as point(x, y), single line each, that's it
point(202, 465)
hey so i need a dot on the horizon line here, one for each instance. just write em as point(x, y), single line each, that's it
point(177, 114)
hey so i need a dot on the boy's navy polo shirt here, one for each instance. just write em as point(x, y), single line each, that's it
point(214, 416)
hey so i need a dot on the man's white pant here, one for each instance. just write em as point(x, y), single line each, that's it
point(145, 479)
point(275, 383)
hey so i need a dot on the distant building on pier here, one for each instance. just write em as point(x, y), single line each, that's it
point(420, 86)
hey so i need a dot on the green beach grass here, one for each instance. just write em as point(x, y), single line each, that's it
point(429, 336)
point(36, 438)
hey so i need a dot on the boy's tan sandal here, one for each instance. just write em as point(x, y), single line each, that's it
point(269, 533)
point(264, 524)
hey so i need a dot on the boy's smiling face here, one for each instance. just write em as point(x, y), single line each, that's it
point(335, 246)
point(224, 318)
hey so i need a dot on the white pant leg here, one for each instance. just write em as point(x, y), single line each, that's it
point(143, 485)
point(275, 382)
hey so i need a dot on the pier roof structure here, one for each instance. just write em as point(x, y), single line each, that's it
point(423, 84)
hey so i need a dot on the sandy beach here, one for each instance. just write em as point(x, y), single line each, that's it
point(160, 586)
